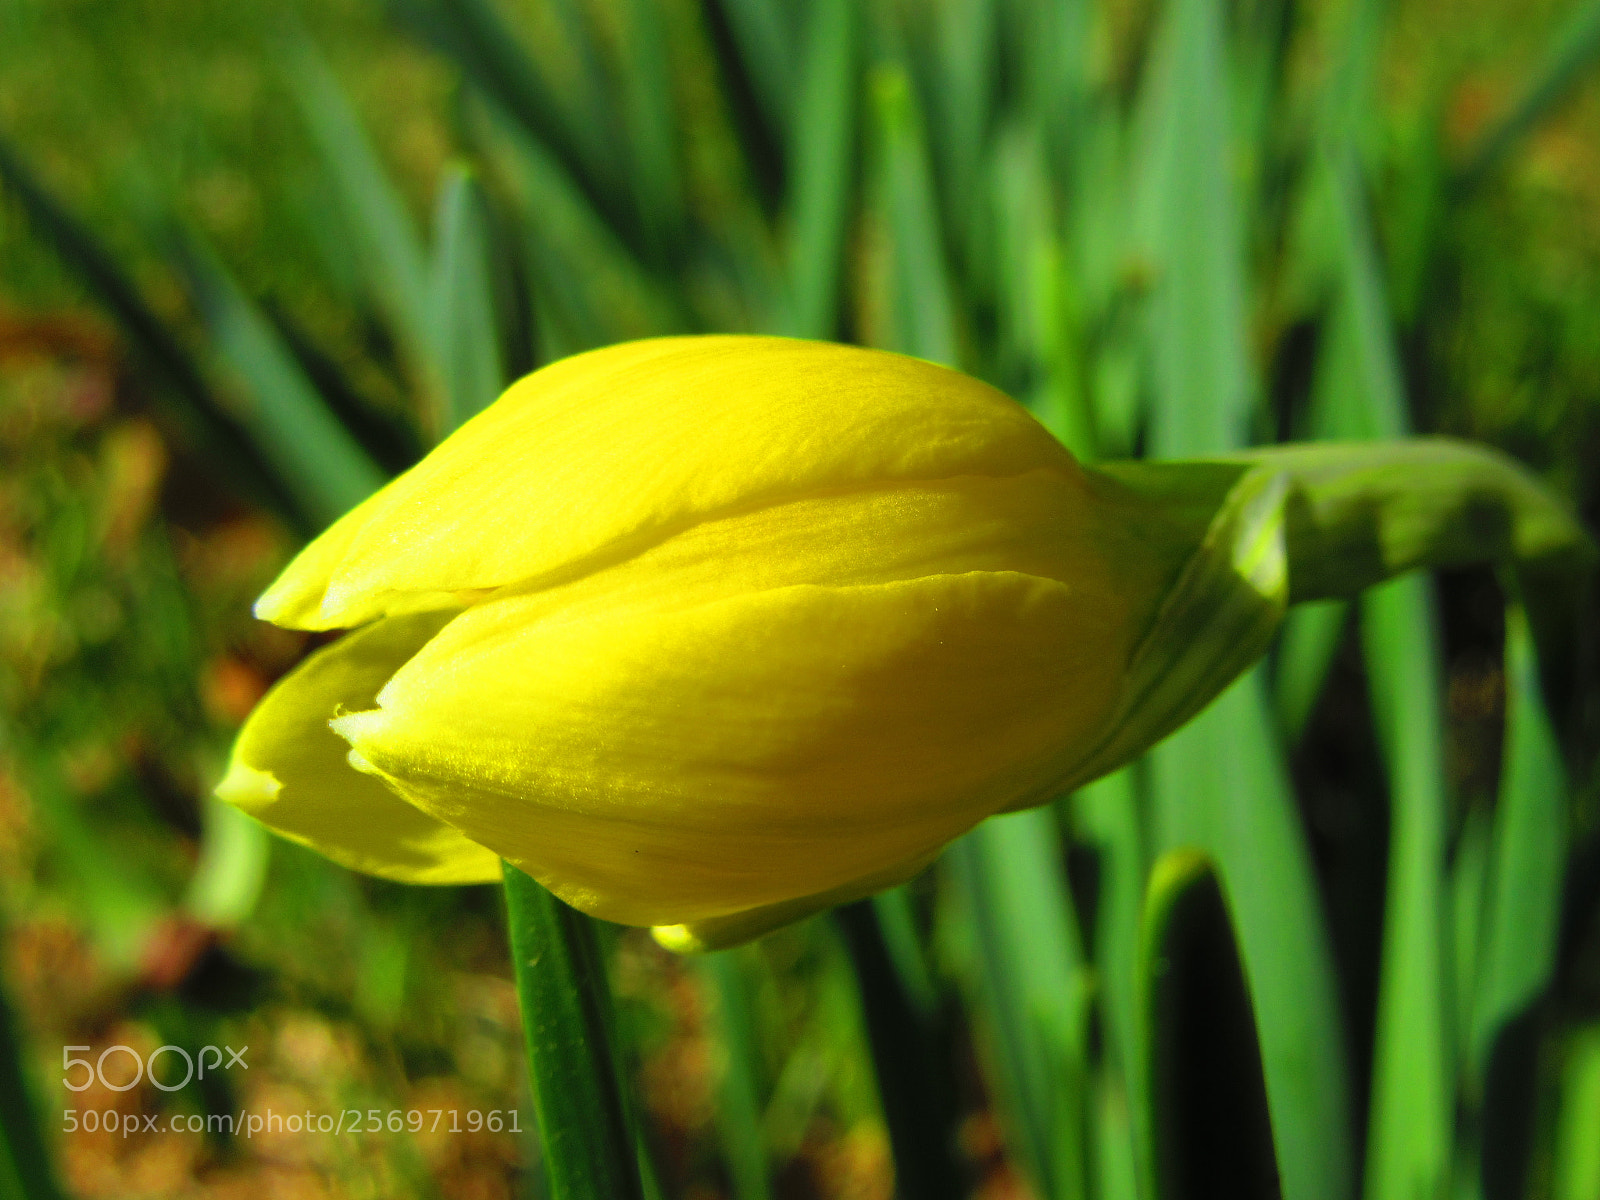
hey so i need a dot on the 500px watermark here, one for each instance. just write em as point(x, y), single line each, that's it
point(92, 1070)
point(347, 1121)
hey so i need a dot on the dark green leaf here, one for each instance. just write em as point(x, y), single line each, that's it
point(1409, 1139)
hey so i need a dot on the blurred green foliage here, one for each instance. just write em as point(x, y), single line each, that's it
point(1340, 934)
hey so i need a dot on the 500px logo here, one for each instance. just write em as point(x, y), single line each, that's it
point(145, 1066)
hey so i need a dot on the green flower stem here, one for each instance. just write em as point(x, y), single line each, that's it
point(583, 1127)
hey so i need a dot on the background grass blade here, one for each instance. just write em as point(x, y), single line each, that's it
point(822, 171)
point(1106, 815)
point(740, 1090)
point(462, 301)
point(922, 319)
point(596, 290)
point(1220, 783)
point(1577, 1156)
point(1409, 1138)
point(1188, 223)
point(1521, 918)
point(589, 1149)
point(1529, 852)
point(389, 252)
point(1031, 989)
point(493, 60)
point(956, 84)
point(650, 116)
point(320, 463)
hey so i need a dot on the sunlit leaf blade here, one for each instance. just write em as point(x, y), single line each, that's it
point(25, 1171)
point(1031, 989)
point(1577, 1156)
point(462, 301)
point(589, 1149)
point(1187, 223)
point(1409, 1140)
point(195, 409)
point(1527, 869)
point(922, 314)
point(389, 253)
point(1106, 815)
point(822, 170)
point(1571, 51)
point(1116, 1170)
point(1358, 392)
point(318, 460)
point(1039, 348)
point(739, 1102)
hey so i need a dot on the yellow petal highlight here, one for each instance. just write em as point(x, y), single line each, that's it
point(716, 933)
point(290, 771)
point(667, 765)
point(602, 455)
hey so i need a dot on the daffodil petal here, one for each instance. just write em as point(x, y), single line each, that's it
point(290, 771)
point(662, 768)
point(601, 455)
point(717, 933)
point(1039, 523)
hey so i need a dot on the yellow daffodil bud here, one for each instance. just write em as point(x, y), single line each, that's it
point(708, 633)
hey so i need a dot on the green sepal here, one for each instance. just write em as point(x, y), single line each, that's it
point(1281, 524)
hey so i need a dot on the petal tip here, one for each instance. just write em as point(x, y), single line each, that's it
point(679, 939)
point(248, 789)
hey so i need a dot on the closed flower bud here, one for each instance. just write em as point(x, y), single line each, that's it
point(708, 633)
